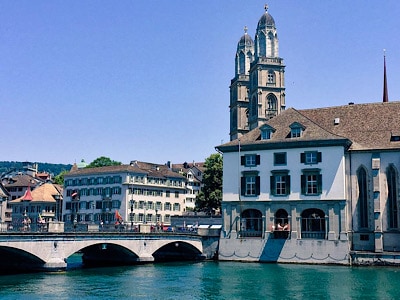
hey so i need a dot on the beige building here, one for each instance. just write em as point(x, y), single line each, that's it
point(42, 203)
point(138, 193)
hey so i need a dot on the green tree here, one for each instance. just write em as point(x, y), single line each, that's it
point(102, 162)
point(59, 179)
point(209, 198)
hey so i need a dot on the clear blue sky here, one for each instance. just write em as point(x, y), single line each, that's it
point(149, 80)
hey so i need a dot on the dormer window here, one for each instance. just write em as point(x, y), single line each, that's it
point(296, 130)
point(266, 132)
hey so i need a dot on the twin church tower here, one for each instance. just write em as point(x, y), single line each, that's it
point(257, 92)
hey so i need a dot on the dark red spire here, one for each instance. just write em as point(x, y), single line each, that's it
point(385, 90)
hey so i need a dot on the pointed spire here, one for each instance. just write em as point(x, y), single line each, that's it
point(385, 90)
point(28, 195)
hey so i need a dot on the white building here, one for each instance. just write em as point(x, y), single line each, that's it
point(313, 186)
point(139, 193)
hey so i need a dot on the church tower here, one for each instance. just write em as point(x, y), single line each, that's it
point(257, 92)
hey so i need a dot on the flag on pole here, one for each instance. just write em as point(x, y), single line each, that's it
point(118, 217)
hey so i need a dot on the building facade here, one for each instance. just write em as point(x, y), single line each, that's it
point(313, 186)
point(136, 193)
point(257, 92)
point(194, 177)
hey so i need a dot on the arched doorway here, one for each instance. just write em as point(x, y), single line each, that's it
point(251, 223)
point(281, 224)
point(313, 224)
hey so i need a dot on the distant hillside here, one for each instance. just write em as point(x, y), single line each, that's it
point(55, 169)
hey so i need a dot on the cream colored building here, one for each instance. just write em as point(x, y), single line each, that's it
point(139, 193)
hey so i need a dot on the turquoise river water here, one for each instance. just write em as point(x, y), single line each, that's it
point(206, 280)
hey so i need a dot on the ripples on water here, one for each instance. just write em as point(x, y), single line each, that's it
point(207, 280)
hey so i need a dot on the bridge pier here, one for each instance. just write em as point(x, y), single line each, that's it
point(146, 258)
point(54, 265)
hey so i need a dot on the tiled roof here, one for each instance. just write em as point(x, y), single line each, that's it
point(43, 193)
point(106, 169)
point(281, 123)
point(22, 180)
point(367, 126)
point(150, 169)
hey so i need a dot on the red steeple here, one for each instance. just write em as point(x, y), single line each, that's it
point(385, 90)
point(28, 195)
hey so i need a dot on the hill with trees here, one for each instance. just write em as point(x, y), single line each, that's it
point(55, 169)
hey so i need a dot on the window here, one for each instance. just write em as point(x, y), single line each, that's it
point(167, 193)
point(310, 157)
point(280, 183)
point(296, 130)
point(250, 160)
point(311, 182)
point(167, 206)
point(392, 197)
point(250, 184)
point(177, 194)
point(266, 135)
point(362, 198)
point(280, 159)
point(271, 76)
point(266, 132)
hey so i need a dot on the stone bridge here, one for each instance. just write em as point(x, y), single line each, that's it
point(49, 252)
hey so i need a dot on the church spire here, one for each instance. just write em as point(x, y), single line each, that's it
point(385, 89)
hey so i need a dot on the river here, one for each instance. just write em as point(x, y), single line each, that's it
point(206, 280)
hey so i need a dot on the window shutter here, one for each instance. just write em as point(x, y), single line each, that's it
point(243, 186)
point(272, 185)
point(319, 184)
point(302, 158)
point(319, 157)
point(242, 160)
point(303, 184)
point(287, 184)
point(257, 185)
point(258, 159)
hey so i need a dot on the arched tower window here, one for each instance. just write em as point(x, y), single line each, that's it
point(362, 198)
point(392, 197)
point(271, 77)
point(271, 106)
point(242, 63)
point(254, 105)
point(271, 45)
point(262, 45)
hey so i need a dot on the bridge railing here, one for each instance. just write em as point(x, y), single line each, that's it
point(93, 228)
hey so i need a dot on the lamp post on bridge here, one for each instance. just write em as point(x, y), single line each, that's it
point(131, 216)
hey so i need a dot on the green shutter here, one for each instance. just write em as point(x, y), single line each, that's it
point(243, 186)
point(302, 158)
point(242, 160)
point(287, 178)
point(303, 184)
point(257, 159)
point(257, 185)
point(272, 185)
point(319, 184)
point(319, 157)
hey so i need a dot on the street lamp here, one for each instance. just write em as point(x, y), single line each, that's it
point(57, 197)
point(131, 216)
